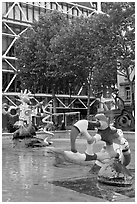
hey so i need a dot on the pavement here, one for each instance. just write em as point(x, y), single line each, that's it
point(54, 193)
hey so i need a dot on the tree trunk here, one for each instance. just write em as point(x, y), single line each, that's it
point(88, 102)
point(54, 105)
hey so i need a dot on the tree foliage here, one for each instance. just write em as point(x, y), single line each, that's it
point(122, 25)
point(84, 50)
point(59, 53)
point(32, 50)
point(122, 17)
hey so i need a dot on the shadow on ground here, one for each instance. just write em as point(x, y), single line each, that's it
point(90, 186)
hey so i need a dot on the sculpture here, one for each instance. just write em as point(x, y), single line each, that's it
point(25, 128)
point(114, 173)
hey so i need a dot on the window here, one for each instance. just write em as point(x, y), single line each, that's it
point(128, 93)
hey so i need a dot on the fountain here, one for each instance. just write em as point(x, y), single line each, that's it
point(111, 173)
point(115, 174)
point(24, 127)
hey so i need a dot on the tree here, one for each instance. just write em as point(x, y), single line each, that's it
point(83, 50)
point(80, 51)
point(32, 50)
point(105, 71)
point(122, 26)
point(69, 52)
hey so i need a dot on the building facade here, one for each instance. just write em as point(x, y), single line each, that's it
point(125, 89)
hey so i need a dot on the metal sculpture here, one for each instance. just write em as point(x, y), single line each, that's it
point(24, 126)
point(115, 108)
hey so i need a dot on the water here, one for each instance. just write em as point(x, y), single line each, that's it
point(23, 170)
point(29, 174)
point(26, 171)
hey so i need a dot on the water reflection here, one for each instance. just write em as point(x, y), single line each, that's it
point(24, 169)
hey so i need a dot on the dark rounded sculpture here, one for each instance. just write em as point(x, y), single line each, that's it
point(29, 135)
point(24, 132)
